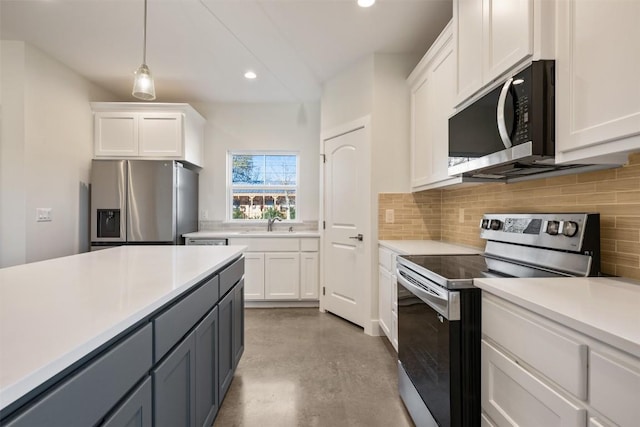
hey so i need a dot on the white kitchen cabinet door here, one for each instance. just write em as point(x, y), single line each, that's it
point(282, 275)
point(116, 134)
point(384, 302)
point(597, 86)
point(253, 276)
point(161, 134)
point(432, 99)
point(512, 396)
point(468, 33)
point(507, 35)
point(421, 124)
point(621, 374)
point(309, 272)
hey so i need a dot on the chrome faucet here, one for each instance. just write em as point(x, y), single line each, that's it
point(270, 222)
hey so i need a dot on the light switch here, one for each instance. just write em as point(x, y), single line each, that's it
point(389, 216)
point(43, 214)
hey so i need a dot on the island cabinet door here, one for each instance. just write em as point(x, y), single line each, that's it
point(135, 411)
point(174, 386)
point(225, 344)
point(207, 369)
point(238, 323)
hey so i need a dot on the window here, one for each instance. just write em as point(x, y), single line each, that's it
point(262, 186)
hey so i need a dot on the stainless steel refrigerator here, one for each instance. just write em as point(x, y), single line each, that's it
point(142, 202)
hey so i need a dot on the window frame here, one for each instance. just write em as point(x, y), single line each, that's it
point(231, 187)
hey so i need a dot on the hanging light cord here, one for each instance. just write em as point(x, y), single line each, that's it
point(144, 35)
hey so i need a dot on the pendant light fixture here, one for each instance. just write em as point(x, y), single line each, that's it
point(143, 87)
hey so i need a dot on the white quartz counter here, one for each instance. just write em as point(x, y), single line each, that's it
point(248, 233)
point(55, 312)
point(607, 309)
point(427, 247)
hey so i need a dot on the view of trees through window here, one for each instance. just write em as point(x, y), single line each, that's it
point(264, 186)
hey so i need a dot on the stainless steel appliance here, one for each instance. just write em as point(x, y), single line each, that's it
point(142, 202)
point(509, 133)
point(216, 241)
point(439, 318)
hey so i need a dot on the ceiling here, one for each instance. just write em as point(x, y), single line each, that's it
point(198, 50)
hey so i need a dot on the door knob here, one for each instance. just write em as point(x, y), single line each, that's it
point(359, 237)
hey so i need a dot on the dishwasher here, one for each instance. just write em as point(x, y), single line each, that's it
point(217, 241)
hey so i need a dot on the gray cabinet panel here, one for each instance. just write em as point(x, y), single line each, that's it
point(174, 323)
point(135, 411)
point(225, 343)
point(87, 396)
point(207, 369)
point(230, 276)
point(174, 387)
point(238, 323)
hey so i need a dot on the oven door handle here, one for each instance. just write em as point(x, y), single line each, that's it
point(436, 302)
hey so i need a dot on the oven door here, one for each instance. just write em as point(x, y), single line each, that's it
point(428, 344)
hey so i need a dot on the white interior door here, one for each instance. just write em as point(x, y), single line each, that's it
point(346, 211)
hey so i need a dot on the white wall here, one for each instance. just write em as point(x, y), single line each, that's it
point(47, 134)
point(285, 127)
point(348, 95)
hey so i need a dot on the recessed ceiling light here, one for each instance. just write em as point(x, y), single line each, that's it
point(250, 75)
point(366, 3)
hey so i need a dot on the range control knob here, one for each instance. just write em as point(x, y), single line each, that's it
point(495, 224)
point(569, 228)
point(484, 224)
point(553, 227)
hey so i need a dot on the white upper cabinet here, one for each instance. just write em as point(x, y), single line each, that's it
point(507, 35)
point(148, 131)
point(160, 134)
point(468, 35)
point(598, 84)
point(493, 37)
point(432, 85)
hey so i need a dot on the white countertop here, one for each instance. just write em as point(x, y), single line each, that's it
point(427, 247)
point(259, 233)
point(55, 312)
point(606, 309)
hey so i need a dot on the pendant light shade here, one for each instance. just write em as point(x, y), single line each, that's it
point(143, 87)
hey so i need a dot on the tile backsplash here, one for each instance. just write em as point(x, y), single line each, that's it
point(454, 214)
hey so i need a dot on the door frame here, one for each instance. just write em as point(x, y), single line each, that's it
point(370, 313)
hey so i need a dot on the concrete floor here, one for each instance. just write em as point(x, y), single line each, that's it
point(305, 368)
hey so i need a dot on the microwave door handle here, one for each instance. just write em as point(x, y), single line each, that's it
point(502, 125)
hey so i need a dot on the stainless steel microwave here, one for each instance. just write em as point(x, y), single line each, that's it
point(510, 131)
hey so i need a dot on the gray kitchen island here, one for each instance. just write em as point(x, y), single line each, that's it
point(133, 335)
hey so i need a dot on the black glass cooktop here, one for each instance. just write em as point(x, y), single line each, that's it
point(453, 271)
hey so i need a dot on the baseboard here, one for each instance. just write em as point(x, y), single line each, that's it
point(281, 304)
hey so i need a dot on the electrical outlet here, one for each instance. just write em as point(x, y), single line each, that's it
point(389, 216)
point(204, 214)
point(43, 214)
point(461, 215)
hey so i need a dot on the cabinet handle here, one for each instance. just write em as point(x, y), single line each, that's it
point(502, 125)
point(359, 237)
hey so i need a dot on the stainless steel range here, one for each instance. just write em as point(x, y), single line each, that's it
point(439, 319)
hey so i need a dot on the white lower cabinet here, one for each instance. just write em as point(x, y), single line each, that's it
point(254, 275)
point(309, 274)
point(387, 295)
point(615, 372)
point(280, 269)
point(512, 396)
point(535, 373)
point(282, 275)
